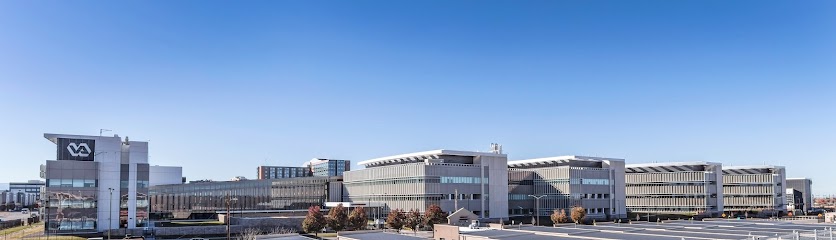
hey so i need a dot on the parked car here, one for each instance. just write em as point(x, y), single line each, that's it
point(24, 211)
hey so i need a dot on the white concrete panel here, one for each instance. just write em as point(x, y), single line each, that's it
point(164, 175)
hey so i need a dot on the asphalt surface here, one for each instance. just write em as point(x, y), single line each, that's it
point(5, 216)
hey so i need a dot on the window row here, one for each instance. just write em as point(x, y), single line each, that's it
point(75, 183)
point(668, 177)
point(461, 196)
point(562, 196)
point(463, 180)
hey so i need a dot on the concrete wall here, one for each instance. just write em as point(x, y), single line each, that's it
point(497, 167)
point(446, 232)
point(109, 157)
point(164, 175)
point(238, 226)
point(269, 223)
point(619, 195)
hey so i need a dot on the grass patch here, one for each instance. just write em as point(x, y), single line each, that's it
point(57, 238)
point(10, 231)
point(326, 235)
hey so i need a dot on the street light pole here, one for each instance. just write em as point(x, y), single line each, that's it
point(537, 204)
point(46, 231)
point(227, 217)
point(110, 213)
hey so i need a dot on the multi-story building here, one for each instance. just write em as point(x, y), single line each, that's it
point(476, 181)
point(795, 200)
point(276, 172)
point(328, 167)
point(5, 198)
point(803, 185)
point(686, 188)
point(206, 199)
point(96, 183)
point(25, 194)
point(597, 184)
point(759, 189)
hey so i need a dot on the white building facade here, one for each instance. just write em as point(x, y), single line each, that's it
point(25, 194)
point(476, 181)
point(98, 183)
point(683, 188)
point(756, 189)
point(594, 183)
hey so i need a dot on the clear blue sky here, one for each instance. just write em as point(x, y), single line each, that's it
point(221, 87)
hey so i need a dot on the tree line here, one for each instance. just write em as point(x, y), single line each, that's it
point(339, 220)
point(577, 215)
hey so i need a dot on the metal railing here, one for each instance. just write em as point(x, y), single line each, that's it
point(826, 234)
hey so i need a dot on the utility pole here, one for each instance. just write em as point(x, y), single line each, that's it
point(456, 201)
point(110, 213)
point(46, 231)
point(537, 208)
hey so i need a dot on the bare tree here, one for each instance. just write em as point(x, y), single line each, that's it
point(578, 214)
point(250, 234)
point(559, 216)
point(282, 230)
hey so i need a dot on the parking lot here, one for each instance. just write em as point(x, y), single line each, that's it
point(6, 216)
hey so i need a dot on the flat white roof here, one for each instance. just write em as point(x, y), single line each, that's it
point(562, 158)
point(751, 167)
point(313, 161)
point(670, 164)
point(53, 137)
point(427, 154)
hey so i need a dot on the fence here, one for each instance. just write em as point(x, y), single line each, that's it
point(826, 234)
point(10, 224)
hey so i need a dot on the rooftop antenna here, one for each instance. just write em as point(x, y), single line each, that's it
point(496, 148)
point(102, 130)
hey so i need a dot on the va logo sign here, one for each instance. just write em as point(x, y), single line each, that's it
point(79, 150)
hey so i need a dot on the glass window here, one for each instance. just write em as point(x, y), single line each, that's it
point(78, 183)
point(66, 183)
